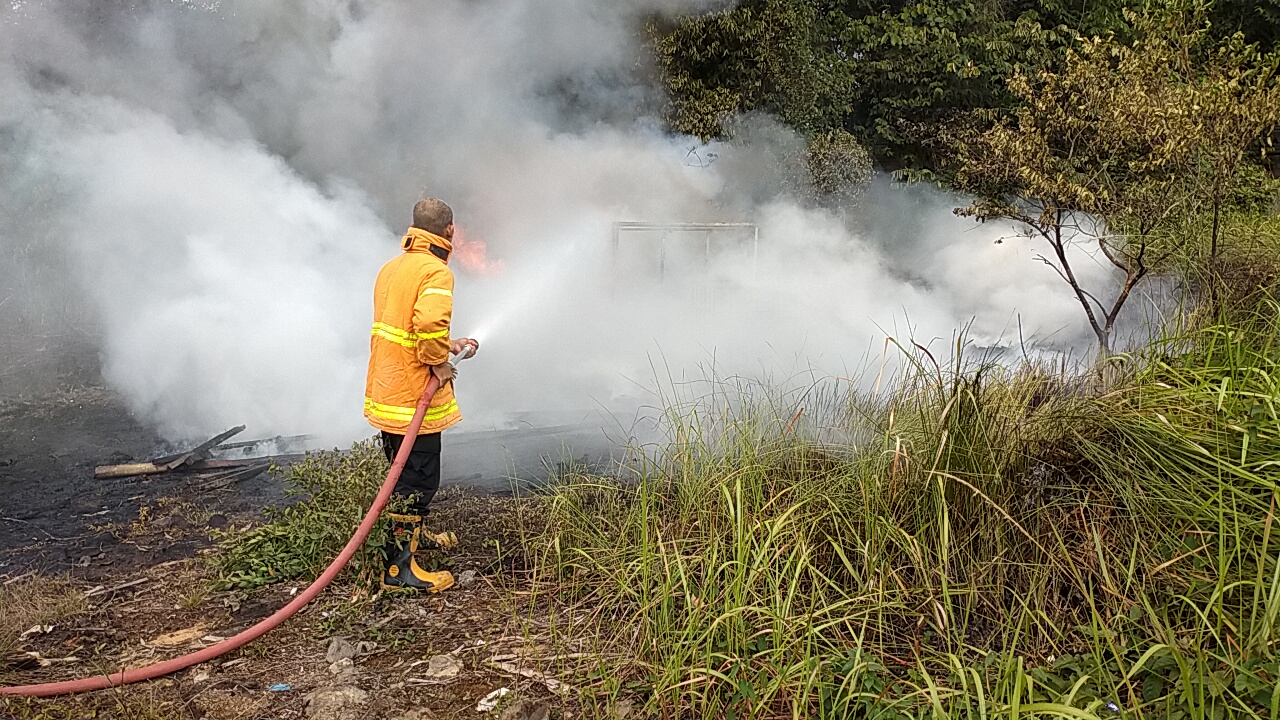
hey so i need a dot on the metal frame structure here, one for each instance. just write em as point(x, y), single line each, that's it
point(667, 229)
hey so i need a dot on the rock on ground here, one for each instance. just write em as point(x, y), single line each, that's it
point(443, 667)
point(342, 702)
point(339, 649)
point(344, 671)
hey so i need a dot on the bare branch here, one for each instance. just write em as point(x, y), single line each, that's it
point(1060, 250)
point(1102, 245)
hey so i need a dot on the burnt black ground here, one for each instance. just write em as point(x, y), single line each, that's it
point(54, 514)
point(58, 421)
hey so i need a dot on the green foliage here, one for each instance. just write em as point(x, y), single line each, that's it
point(892, 73)
point(1259, 20)
point(922, 66)
point(759, 55)
point(299, 540)
point(895, 73)
point(1125, 146)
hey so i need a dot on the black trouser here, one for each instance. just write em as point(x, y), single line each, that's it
point(421, 475)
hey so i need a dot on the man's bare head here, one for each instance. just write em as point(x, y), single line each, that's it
point(433, 216)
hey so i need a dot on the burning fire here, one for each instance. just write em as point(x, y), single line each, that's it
point(471, 255)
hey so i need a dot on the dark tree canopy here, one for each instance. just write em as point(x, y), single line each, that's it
point(1259, 20)
point(890, 73)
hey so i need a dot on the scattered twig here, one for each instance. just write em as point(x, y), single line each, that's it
point(101, 591)
point(47, 661)
point(229, 477)
point(792, 425)
point(384, 621)
point(35, 630)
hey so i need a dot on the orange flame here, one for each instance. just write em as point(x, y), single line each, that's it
point(472, 255)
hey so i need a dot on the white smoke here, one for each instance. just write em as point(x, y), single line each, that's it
point(218, 183)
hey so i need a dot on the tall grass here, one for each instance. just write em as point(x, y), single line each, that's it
point(996, 543)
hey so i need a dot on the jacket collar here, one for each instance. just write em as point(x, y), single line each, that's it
point(416, 240)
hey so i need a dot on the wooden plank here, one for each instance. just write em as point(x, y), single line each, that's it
point(282, 439)
point(214, 465)
point(128, 470)
point(230, 477)
point(203, 449)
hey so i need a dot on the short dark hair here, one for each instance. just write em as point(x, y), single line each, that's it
point(432, 215)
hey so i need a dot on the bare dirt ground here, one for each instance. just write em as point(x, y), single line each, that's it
point(407, 657)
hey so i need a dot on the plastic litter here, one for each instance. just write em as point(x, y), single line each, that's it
point(489, 702)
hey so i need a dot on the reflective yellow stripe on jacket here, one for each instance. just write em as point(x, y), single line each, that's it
point(404, 337)
point(405, 414)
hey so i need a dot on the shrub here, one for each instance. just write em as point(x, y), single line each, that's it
point(299, 540)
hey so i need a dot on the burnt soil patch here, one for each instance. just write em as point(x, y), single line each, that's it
point(55, 517)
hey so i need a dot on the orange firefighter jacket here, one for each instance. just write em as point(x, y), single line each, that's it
point(412, 306)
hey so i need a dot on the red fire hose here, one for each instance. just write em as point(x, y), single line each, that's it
point(166, 667)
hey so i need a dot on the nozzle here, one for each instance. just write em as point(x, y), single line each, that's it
point(467, 351)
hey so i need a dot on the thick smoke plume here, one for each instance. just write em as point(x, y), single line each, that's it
point(210, 188)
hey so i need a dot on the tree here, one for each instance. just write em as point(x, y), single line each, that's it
point(1257, 20)
point(759, 55)
point(1235, 101)
point(1116, 148)
point(890, 72)
point(923, 65)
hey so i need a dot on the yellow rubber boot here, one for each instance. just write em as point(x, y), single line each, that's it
point(402, 569)
point(405, 573)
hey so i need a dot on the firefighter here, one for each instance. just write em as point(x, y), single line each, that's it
point(412, 307)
